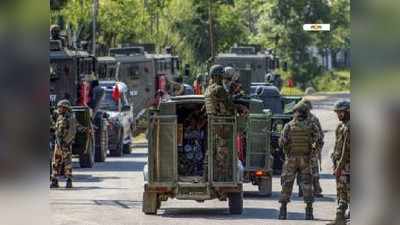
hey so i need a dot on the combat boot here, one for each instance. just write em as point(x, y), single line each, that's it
point(309, 212)
point(340, 220)
point(283, 211)
point(69, 183)
point(300, 192)
point(54, 183)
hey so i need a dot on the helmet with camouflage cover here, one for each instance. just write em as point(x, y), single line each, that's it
point(342, 105)
point(307, 103)
point(300, 107)
point(64, 103)
point(217, 71)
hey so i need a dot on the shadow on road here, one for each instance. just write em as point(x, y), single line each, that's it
point(113, 166)
point(327, 176)
point(85, 188)
point(91, 178)
point(219, 214)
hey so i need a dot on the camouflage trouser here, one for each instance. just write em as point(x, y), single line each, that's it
point(221, 155)
point(62, 161)
point(315, 176)
point(293, 166)
point(343, 191)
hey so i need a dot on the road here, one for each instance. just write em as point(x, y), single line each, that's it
point(111, 193)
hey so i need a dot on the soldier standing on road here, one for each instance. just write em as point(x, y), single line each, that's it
point(299, 139)
point(341, 160)
point(218, 102)
point(65, 129)
point(316, 159)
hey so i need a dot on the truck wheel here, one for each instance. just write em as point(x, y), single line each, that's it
point(86, 160)
point(150, 203)
point(102, 146)
point(118, 151)
point(265, 186)
point(235, 202)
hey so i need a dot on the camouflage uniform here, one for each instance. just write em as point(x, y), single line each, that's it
point(299, 139)
point(315, 160)
point(64, 130)
point(341, 162)
point(219, 103)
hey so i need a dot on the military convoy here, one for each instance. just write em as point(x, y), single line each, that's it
point(70, 72)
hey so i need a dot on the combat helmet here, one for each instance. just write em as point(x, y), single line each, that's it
point(217, 71)
point(64, 103)
point(229, 72)
point(342, 105)
point(300, 107)
point(307, 103)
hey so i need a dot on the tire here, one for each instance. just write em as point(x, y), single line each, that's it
point(118, 151)
point(235, 203)
point(127, 149)
point(265, 186)
point(102, 146)
point(87, 160)
point(150, 203)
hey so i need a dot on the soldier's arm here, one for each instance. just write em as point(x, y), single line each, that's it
point(345, 148)
point(284, 140)
point(222, 95)
point(316, 138)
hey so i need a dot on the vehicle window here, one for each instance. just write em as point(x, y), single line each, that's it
point(107, 103)
point(133, 72)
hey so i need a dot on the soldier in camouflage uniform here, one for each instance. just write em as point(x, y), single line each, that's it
point(65, 128)
point(218, 102)
point(299, 139)
point(316, 160)
point(341, 160)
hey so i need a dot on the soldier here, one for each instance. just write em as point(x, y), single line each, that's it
point(316, 160)
point(299, 140)
point(65, 129)
point(218, 102)
point(341, 160)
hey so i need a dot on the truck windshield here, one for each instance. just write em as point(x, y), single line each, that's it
point(108, 103)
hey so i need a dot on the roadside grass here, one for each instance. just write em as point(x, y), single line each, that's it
point(141, 138)
point(337, 80)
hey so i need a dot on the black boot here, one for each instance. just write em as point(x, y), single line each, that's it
point(283, 211)
point(69, 183)
point(309, 212)
point(300, 192)
point(54, 183)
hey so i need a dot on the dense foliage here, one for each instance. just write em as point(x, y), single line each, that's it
point(185, 25)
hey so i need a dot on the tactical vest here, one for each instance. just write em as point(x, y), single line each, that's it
point(300, 134)
point(210, 101)
point(71, 129)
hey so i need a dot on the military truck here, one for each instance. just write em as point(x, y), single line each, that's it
point(246, 58)
point(281, 109)
point(253, 142)
point(182, 159)
point(69, 69)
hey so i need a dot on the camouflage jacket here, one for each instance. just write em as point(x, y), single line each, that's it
point(218, 101)
point(285, 140)
point(66, 126)
point(341, 152)
point(315, 121)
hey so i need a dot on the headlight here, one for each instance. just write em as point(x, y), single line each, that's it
point(277, 126)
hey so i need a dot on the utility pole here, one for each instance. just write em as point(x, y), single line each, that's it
point(95, 10)
point(211, 28)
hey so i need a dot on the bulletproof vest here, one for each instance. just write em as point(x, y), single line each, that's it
point(210, 101)
point(70, 137)
point(300, 134)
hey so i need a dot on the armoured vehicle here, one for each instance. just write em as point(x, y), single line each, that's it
point(69, 72)
point(143, 73)
point(281, 109)
point(117, 108)
point(246, 58)
point(182, 160)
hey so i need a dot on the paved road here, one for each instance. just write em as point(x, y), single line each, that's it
point(111, 194)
